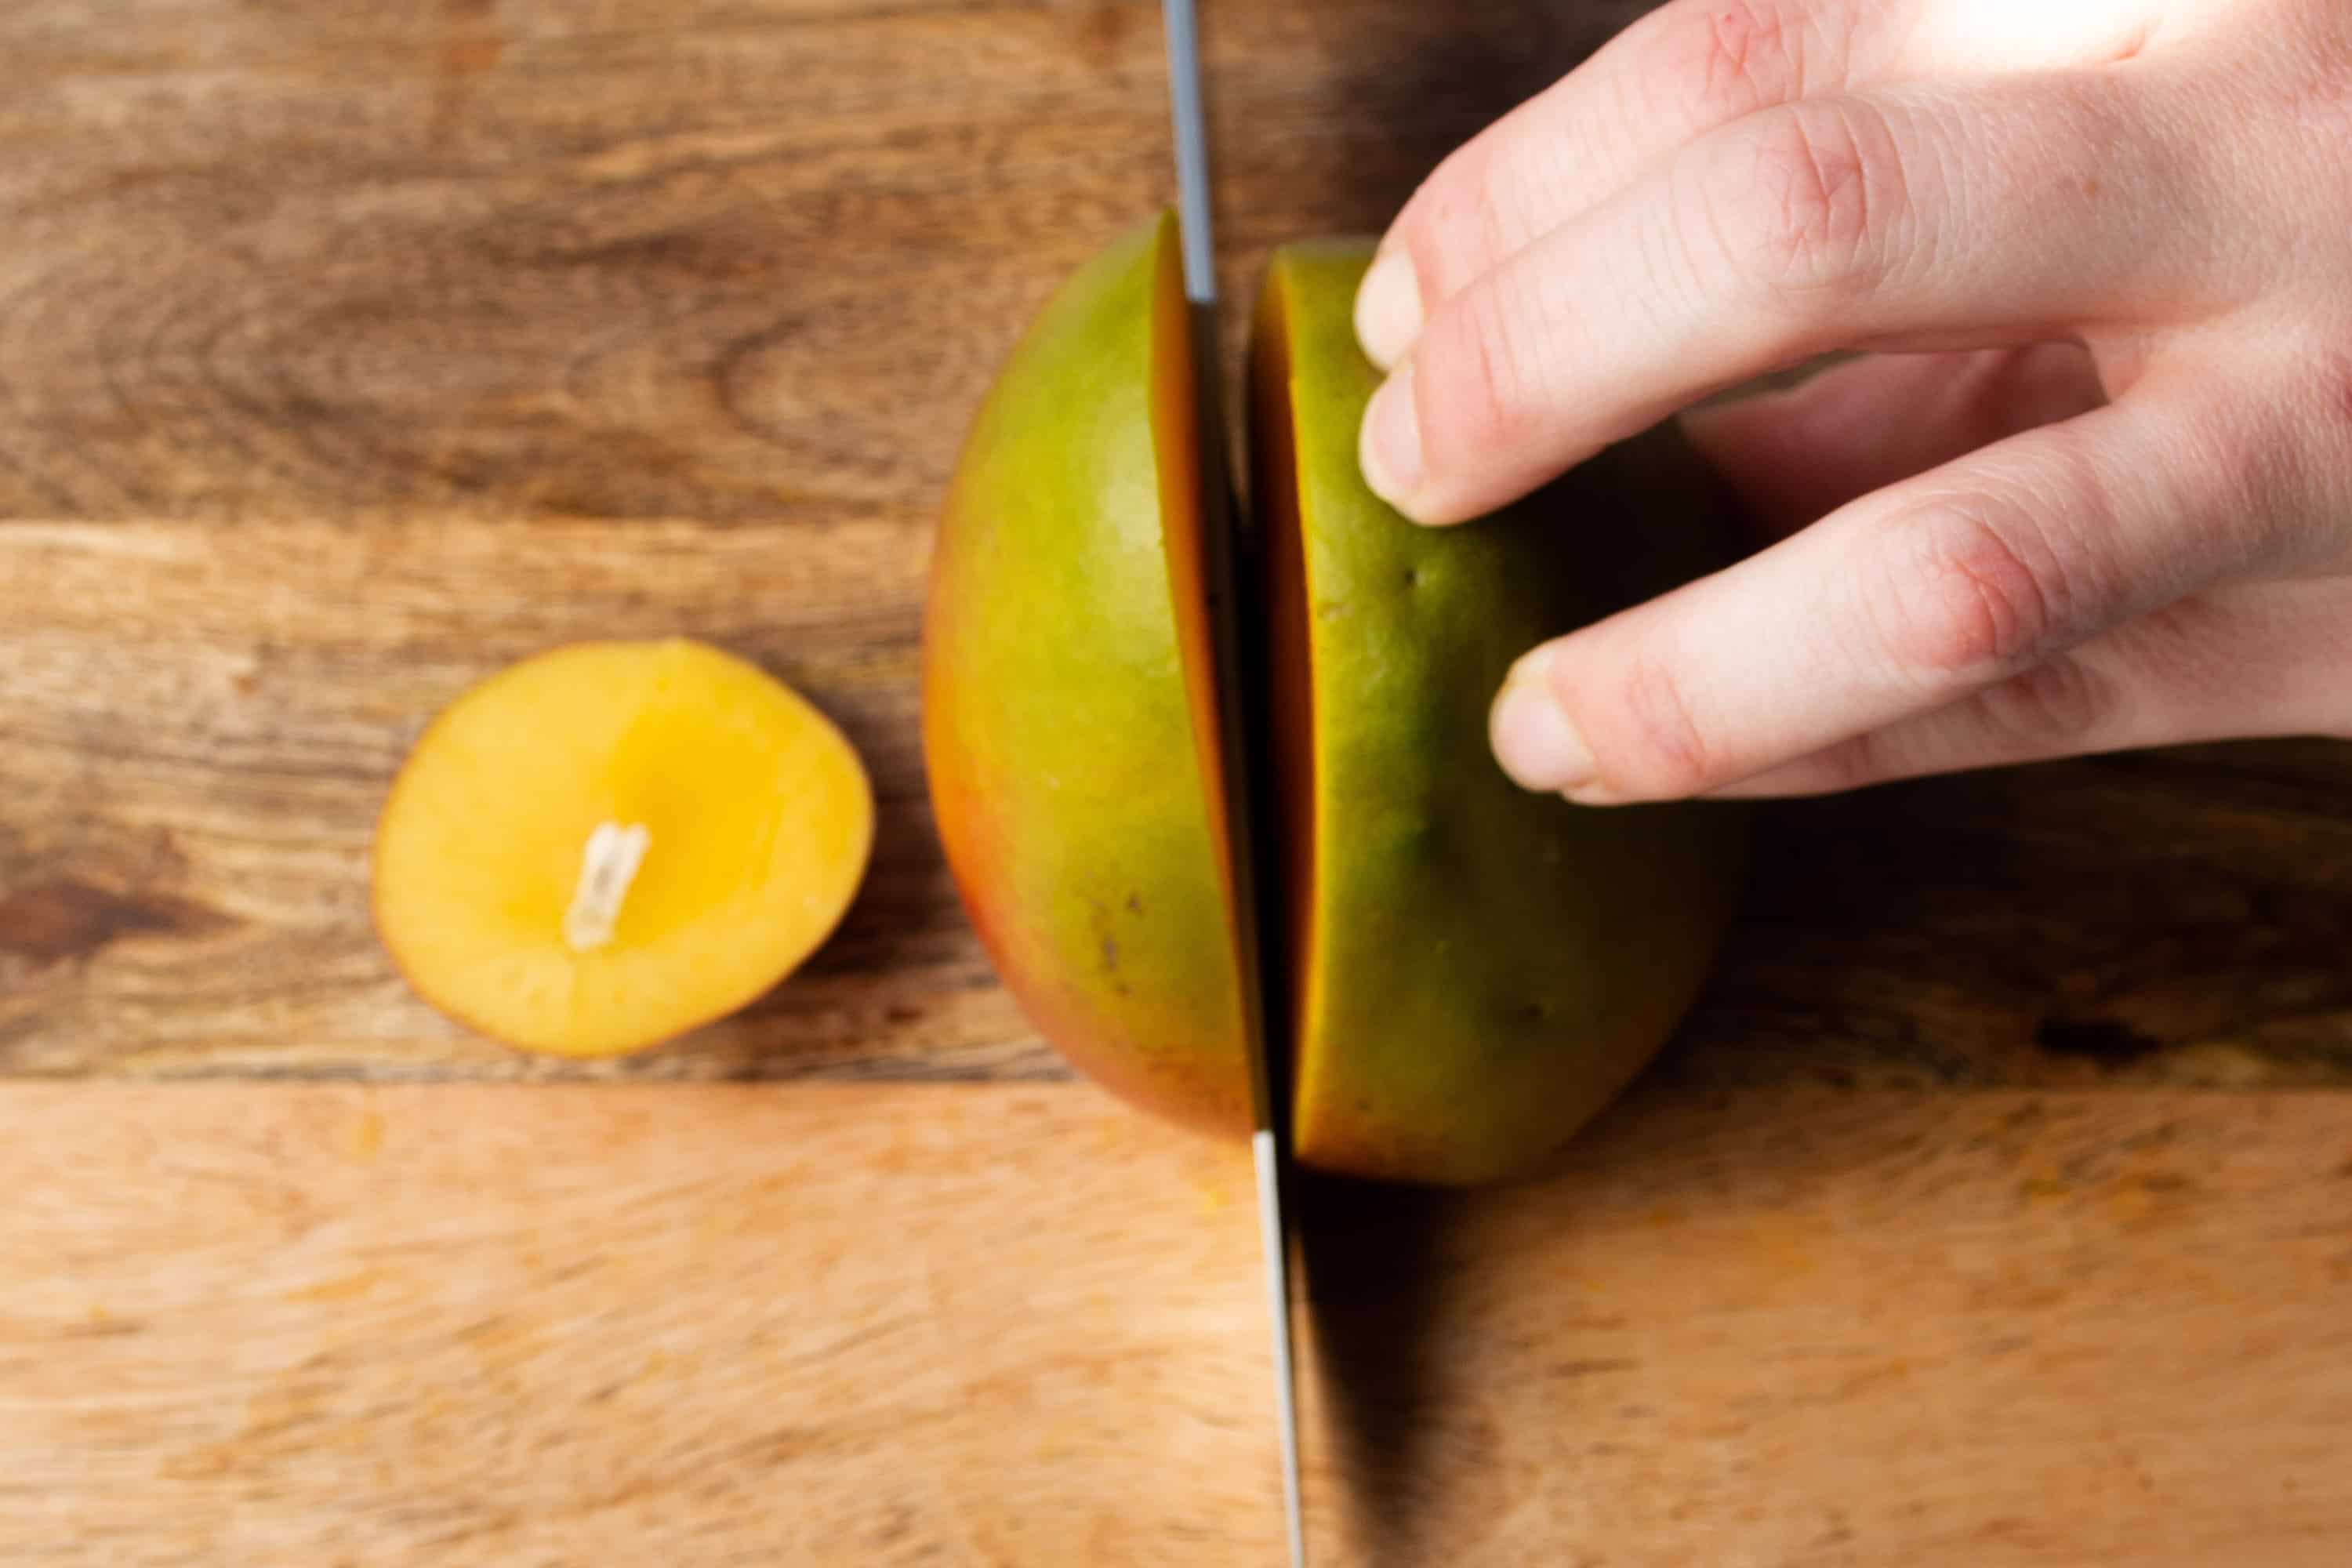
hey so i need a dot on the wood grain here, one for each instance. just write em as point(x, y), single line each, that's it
point(557, 257)
point(982, 1324)
point(202, 718)
point(348, 354)
point(344, 356)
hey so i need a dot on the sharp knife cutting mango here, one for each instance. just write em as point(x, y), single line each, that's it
point(1212, 780)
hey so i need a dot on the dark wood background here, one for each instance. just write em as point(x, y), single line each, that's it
point(347, 354)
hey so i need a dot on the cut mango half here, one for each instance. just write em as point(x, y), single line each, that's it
point(1473, 971)
point(1071, 725)
point(1461, 974)
point(607, 845)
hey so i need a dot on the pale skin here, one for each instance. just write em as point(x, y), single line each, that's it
point(2089, 487)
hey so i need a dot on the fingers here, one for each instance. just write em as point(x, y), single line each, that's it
point(1914, 220)
point(1795, 456)
point(1902, 602)
point(1681, 70)
point(2268, 660)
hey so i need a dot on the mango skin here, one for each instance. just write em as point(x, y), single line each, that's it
point(1475, 971)
point(1471, 972)
point(1064, 681)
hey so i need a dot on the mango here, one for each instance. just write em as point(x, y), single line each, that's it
point(603, 846)
point(1475, 971)
point(1464, 974)
point(1069, 726)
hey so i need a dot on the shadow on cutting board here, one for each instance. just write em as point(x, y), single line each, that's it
point(1378, 1267)
point(1376, 1278)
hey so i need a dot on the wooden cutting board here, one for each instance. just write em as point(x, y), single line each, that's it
point(1994, 1208)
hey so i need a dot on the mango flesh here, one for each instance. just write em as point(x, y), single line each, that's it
point(1465, 973)
point(1068, 716)
point(757, 818)
point(1474, 970)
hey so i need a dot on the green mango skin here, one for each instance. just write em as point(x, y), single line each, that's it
point(1470, 971)
point(1474, 970)
point(1066, 691)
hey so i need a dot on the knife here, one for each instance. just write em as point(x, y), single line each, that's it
point(1221, 528)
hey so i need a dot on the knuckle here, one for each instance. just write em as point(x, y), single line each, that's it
point(1799, 199)
point(1471, 381)
point(1723, 58)
point(1975, 596)
point(1461, 219)
point(1656, 749)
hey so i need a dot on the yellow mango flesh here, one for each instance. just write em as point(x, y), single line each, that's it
point(1473, 971)
point(758, 820)
point(1069, 711)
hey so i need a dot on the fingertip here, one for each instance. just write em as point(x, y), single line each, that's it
point(1531, 737)
point(1388, 444)
point(1390, 455)
point(1389, 310)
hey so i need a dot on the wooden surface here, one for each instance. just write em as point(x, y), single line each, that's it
point(1991, 1209)
point(982, 1324)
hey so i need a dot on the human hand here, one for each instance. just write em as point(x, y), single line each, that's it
point(2094, 490)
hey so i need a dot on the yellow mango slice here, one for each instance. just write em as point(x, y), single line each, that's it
point(607, 845)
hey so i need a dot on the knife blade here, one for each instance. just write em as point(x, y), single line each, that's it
point(1221, 531)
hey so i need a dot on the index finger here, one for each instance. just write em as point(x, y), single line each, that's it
point(1687, 69)
point(1684, 69)
point(2024, 210)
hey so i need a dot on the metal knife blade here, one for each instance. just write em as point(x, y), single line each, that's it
point(1221, 528)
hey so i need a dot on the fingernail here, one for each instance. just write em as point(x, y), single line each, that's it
point(1531, 737)
point(1390, 443)
point(1388, 307)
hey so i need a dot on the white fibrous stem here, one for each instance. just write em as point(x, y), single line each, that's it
point(607, 868)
